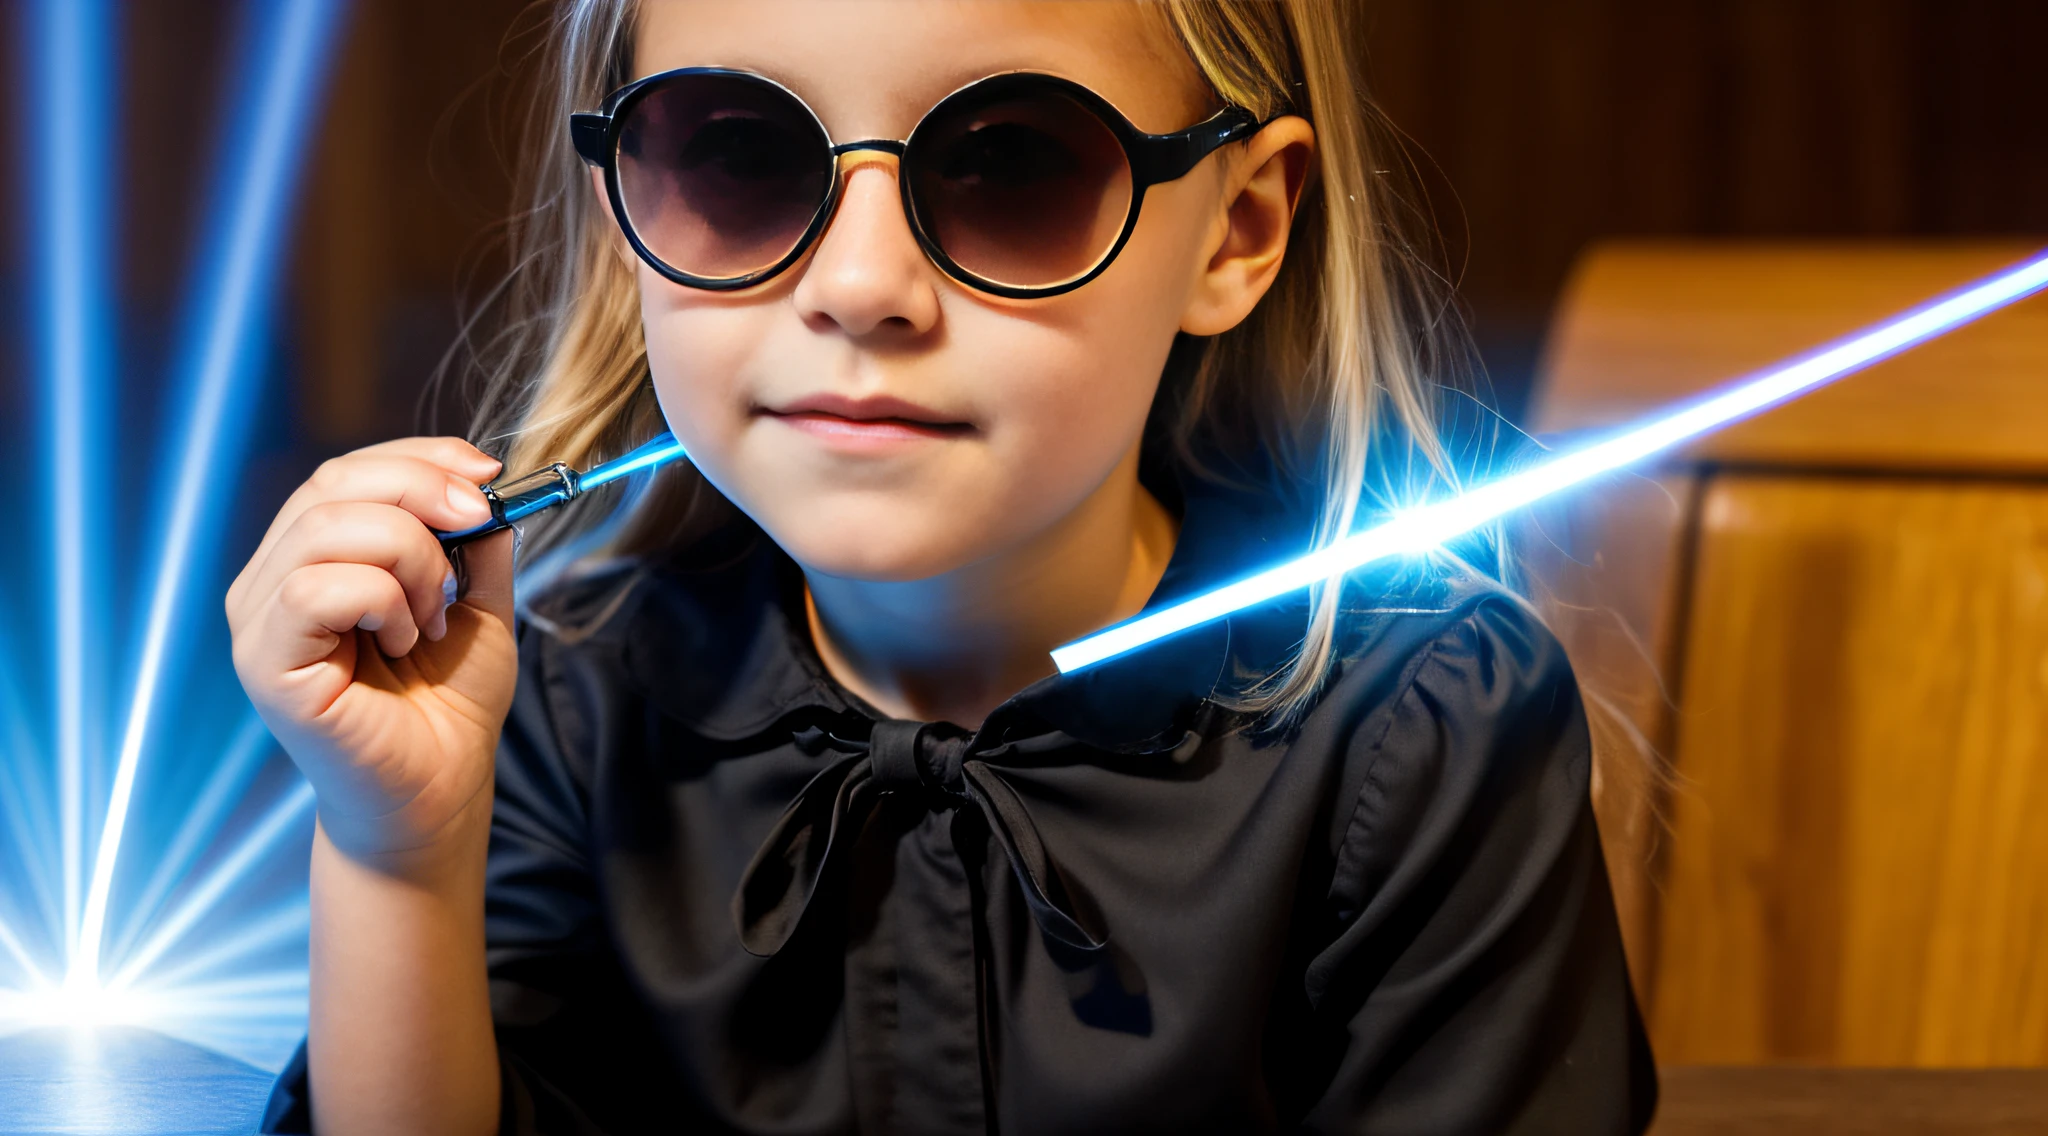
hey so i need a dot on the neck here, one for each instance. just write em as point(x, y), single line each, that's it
point(955, 646)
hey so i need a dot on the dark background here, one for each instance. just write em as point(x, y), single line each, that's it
point(1541, 125)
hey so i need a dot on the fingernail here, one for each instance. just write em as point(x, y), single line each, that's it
point(437, 627)
point(465, 499)
point(450, 590)
point(371, 621)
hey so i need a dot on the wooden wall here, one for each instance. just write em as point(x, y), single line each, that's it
point(1831, 621)
point(1554, 123)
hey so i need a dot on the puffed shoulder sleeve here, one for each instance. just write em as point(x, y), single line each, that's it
point(572, 1039)
point(1476, 983)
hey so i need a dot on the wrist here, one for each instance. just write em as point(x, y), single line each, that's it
point(448, 851)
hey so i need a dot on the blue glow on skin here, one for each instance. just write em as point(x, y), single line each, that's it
point(1428, 527)
point(264, 149)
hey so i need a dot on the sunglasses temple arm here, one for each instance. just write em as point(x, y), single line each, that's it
point(591, 134)
point(1165, 157)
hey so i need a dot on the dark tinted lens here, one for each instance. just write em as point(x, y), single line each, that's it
point(720, 174)
point(1026, 191)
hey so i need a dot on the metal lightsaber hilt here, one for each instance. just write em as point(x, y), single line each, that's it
point(515, 500)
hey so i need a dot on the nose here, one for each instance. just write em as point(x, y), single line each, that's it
point(868, 275)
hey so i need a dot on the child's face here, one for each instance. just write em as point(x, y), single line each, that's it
point(1032, 407)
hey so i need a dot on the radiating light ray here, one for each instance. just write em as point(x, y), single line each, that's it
point(281, 821)
point(1428, 527)
point(263, 152)
point(32, 829)
point(19, 952)
point(69, 55)
point(287, 926)
point(272, 982)
point(226, 784)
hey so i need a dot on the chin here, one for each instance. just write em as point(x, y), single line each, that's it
point(896, 550)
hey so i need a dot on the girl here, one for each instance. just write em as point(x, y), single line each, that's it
point(986, 325)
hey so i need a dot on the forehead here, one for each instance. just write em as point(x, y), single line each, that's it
point(871, 67)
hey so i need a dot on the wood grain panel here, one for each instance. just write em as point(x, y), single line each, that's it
point(1606, 567)
point(1806, 1101)
point(1644, 325)
point(1858, 874)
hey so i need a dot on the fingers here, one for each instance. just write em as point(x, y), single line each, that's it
point(312, 612)
point(434, 479)
point(386, 538)
point(488, 565)
point(452, 454)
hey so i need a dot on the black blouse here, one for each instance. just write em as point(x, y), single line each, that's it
point(726, 895)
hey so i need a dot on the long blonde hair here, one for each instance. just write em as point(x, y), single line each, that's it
point(1337, 372)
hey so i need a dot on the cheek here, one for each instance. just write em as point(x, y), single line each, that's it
point(698, 349)
point(1058, 391)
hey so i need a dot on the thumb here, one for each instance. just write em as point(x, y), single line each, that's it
point(486, 572)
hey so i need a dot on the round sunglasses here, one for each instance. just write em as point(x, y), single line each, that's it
point(1021, 184)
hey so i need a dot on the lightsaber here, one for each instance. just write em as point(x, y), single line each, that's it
point(1428, 527)
point(515, 500)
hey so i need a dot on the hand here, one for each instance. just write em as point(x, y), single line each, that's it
point(388, 697)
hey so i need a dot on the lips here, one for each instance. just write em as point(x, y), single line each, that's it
point(877, 418)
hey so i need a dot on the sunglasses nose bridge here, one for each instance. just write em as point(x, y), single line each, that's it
point(871, 152)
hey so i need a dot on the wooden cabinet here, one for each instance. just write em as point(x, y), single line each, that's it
point(1830, 624)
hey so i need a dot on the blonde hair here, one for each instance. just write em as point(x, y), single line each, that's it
point(1341, 362)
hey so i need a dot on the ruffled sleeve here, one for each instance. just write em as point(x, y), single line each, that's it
point(1476, 981)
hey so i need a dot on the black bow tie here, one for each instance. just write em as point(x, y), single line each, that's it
point(812, 840)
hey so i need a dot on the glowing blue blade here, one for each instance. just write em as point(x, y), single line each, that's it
point(1428, 527)
point(658, 452)
point(263, 151)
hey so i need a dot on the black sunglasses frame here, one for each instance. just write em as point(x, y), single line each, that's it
point(1153, 159)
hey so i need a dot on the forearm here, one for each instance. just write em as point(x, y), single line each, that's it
point(400, 1037)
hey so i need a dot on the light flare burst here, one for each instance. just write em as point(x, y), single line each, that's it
point(83, 942)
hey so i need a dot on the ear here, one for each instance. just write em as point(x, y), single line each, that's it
point(1262, 187)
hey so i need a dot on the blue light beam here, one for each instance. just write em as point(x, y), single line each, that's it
point(262, 149)
point(24, 815)
point(1428, 527)
point(225, 785)
point(256, 845)
point(69, 133)
point(32, 973)
point(288, 926)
